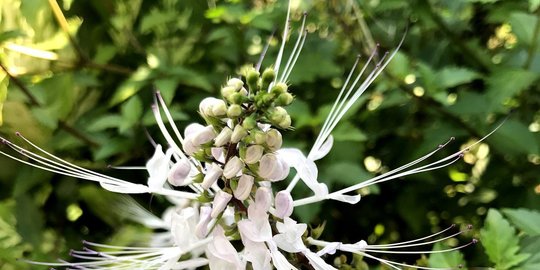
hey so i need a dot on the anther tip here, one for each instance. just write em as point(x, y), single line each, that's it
point(109, 166)
point(460, 266)
point(452, 138)
point(84, 242)
point(474, 241)
point(469, 226)
point(305, 13)
point(71, 251)
point(18, 133)
point(453, 225)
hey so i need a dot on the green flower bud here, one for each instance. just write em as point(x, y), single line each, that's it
point(259, 137)
point(284, 99)
point(234, 111)
point(277, 115)
point(252, 78)
point(238, 134)
point(249, 123)
point(243, 91)
point(279, 89)
point(268, 76)
point(236, 98)
point(285, 123)
point(235, 83)
point(227, 91)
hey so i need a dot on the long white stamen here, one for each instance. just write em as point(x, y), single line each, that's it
point(283, 41)
point(169, 117)
point(59, 166)
point(296, 51)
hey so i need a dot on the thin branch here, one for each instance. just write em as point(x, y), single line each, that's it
point(33, 101)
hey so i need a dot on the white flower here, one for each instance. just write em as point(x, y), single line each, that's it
point(221, 253)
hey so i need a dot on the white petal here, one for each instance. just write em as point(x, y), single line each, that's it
point(323, 150)
point(351, 199)
point(306, 168)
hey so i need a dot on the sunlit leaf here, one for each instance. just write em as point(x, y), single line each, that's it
point(500, 241)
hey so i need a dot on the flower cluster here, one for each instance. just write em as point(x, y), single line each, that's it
point(228, 213)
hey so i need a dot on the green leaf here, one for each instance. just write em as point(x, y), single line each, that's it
point(500, 241)
point(4, 82)
point(131, 113)
point(157, 18)
point(469, 103)
point(521, 26)
point(515, 138)
point(450, 260)
point(108, 121)
point(29, 219)
point(505, 84)
point(454, 76)
point(131, 86)
point(531, 245)
point(345, 173)
point(346, 131)
point(527, 220)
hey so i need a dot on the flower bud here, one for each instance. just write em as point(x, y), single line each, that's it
point(283, 204)
point(249, 123)
point(253, 154)
point(236, 98)
point(272, 168)
point(243, 91)
point(204, 218)
point(205, 135)
point(235, 83)
point(218, 154)
point(273, 139)
point(223, 137)
point(219, 109)
point(212, 175)
point(285, 123)
point(245, 183)
point(263, 198)
point(284, 99)
point(279, 89)
point(221, 200)
point(227, 91)
point(179, 172)
point(252, 77)
point(277, 115)
point(267, 77)
point(268, 165)
point(259, 137)
point(238, 134)
point(234, 111)
point(212, 107)
point(233, 167)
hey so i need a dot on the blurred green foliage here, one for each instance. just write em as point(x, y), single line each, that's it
point(82, 74)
